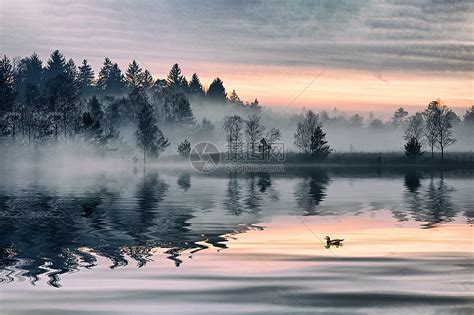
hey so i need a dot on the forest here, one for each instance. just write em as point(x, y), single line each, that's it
point(135, 115)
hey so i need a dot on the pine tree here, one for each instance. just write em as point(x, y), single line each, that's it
point(413, 148)
point(216, 91)
point(195, 86)
point(104, 74)
point(310, 138)
point(184, 148)
point(56, 65)
point(85, 78)
point(95, 109)
point(116, 83)
point(234, 99)
point(149, 137)
point(318, 146)
point(175, 79)
point(7, 85)
point(134, 75)
point(180, 111)
point(146, 79)
point(110, 78)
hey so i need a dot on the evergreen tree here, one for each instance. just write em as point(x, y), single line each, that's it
point(85, 78)
point(147, 79)
point(235, 100)
point(413, 148)
point(7, 85)
point(56, 66)
point(29, 73)
point(95, 109)
point(110, 78)
point(104, 74)
point(195, 86)
point(91, 129)
point(175, 79)
point(255, 106)
point(180, 110)
point(116, 83)
point(310, 138)
point(184, 148)
point(71, 70)
point(149, 137)
point(60, 94)
point(216, 91)
point(134, 75)
point(318, 146)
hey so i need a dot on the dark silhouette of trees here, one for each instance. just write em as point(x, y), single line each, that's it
point(184, 148)
point(110, 78)
point(310, 138)
point(233, 128)
point(415, 128)
point(149, 137)
point(439, 123)
point(56, 65)
point(216, 91)
point(7, 85)
point(178, 111)
point(234, 99)
point(399, 117)
point(85, 79)
point(253, 132)
point(175, 79)
point(413, 148)
point(357, 121)
point(195, 86)
point(469, 116)
point(134, 75)
point(146, 79)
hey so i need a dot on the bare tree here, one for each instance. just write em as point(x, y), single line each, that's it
point(310, 138)
point(415, 128)
point(431, 116)
point(439, 124)
point(253, 131)
point(444, 128)
point(233, 128)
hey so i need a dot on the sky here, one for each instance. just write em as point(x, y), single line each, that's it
point(353, 55)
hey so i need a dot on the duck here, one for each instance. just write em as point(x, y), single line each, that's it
point(336, 242)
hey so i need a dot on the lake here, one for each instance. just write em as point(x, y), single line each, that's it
point(120, 241)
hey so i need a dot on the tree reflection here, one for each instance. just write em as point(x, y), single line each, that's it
point(310, 191)
point(432, 205)
point(184, 182)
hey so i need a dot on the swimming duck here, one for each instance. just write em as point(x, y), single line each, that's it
point(336, 242)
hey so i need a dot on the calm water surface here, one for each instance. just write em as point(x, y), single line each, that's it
point(109, 242)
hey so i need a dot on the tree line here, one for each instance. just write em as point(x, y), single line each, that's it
point(57, 101)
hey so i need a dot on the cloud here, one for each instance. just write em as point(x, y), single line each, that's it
point(375, 36)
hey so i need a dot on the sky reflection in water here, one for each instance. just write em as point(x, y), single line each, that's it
point(253, 241)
